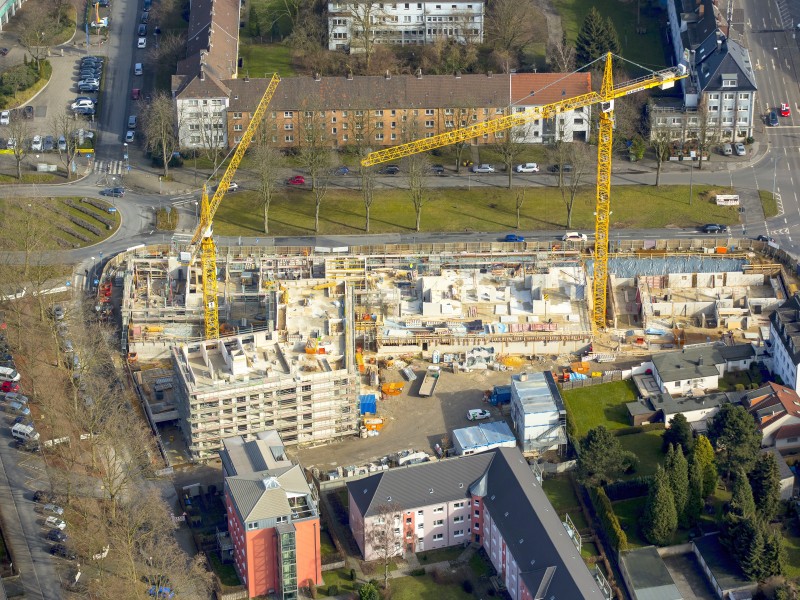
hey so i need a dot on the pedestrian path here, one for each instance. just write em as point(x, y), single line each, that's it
point(109, 167)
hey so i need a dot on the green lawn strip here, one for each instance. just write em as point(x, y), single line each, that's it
point(340, 578)
point(38, 178)
point(647, 448)
point(76, 213)
point(440, 555)
point(599, 405)
point(560, 492)
point(479, 566)
point(457, 209)
point(425, 588)
point(646, 49)
point(262, 60)
point(768, 203)
point(226, 572)
point(16, 206)
point(589, 550)
point(326, 543)
point(792, 543)
point(629, 512)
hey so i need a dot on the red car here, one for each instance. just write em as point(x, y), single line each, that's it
point(9, 386)
point(296, 180)
point(785, 110)
point(135, 93)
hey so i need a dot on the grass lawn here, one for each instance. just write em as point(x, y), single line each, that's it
point(425, 588)
point(479, 566)
point(792, 543)
point(646, 49)
point(588, 550)
point(262, 60)
point(647, 447)
point(340, 578)
point(440, 555)
point(326, 546)
point(454, 209)
point(629, 512)
point(599, 405)
point(343, 497)
point(226, 572)
point(560, 492)
point(728, 382)
point(768, 203)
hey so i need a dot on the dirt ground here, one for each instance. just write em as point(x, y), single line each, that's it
point(412, 422)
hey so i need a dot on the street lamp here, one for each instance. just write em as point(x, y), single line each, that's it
point(195, 212)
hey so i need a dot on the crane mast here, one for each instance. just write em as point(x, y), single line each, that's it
point(608, 93)
point(208, 208)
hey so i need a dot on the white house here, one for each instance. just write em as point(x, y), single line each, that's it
point(403, 23)
point(694, 370)
point(784, 341)
point(776, 409)
point(537, 411)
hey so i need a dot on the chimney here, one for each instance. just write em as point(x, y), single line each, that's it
point(349, 76)
point(317, 77)
point(202, 73)
point(387, 75)
point(419, 73)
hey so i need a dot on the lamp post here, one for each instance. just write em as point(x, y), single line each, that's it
point(195, 212)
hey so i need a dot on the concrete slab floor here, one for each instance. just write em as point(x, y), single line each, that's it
point(688, 576)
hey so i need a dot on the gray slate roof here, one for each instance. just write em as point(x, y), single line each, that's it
point(786, 321)
point(729, 58)
point(649, 575)
point(483, 435)
point(725, 570)
point(550, 564)
point(737, 352)
point(264, 497)
point(688, 363)
point(683, 404)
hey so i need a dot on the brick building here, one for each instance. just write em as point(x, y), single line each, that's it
point(273, 519)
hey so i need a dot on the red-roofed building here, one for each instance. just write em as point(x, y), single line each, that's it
point(776, 409)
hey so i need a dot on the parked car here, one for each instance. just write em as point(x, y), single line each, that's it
point(477, 414)
point(22, 419)
point(130, 135)
point(527, 168)
point(565, 168)
point(27, 112)
point(712, 228)
point(9, 386)
point(56, 535)
point(484, 168)
point(4, 51)
point(55, 523)
point(15, 408)
point(765, 238)
point(88, 87)
point(53, 509)
point(727, 150)
point(136, 93)
point(90, 81)
point(82, 102)
point(115, 192)
point(574, 236)
point(390, 170)
point(11, 144)
point(161, 591)
point(62, 144)
point(62, 551)
point(5, 117)
point(785, 110)
point(59, 312)
point(36, 143)
point(48, 143)
point(16, 397)
point(513, 237)
point(342, 170)
point(142, 30)
point(145, 17)
point(740, 149)
point(86, 111)
point(132, 122)
point(437, 169)
point(296, 180)
point(137, 69)
point(141, 43)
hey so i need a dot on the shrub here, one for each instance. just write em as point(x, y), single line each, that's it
point(333, 590)
point(608, 518)
point(352, 574)
point(417, 572)
point(739, 387)
point(625, 490)
point(466, 585)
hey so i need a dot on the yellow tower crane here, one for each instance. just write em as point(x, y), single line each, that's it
point(608, 93)
point(208, 208)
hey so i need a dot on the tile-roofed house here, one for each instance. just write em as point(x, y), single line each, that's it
point(502, 508)
point(721, 77)
point(784, 341)
point(776, 409)
point(270, 507)
point(388, 104)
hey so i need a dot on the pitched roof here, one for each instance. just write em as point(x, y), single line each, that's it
point(730, 59)
point(205, 86)
point(786, 321)
point(409, 92)
point(779, 402)
point(262, 497)
point(418, 485)
point(688, 363)
point(737, 352)
point(550, 564)
point(788, 431)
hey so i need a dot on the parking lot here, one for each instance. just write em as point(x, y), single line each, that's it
point(412, 422)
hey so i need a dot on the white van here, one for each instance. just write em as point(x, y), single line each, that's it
point(24, 433)
point(9, 374)
point(137, 69)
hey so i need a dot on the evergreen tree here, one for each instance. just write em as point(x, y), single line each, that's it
point(703, 458)
point(594, 39)
point(765, 481)
point(678, 473)
point(660, 519)
point(679, 432)
point(750, 544)
point(612, 39)
point(742, 504)
point(601, 458)
point(732, 432)
point(774, 554)
point(694, 503)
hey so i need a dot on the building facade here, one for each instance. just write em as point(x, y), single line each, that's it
point(784, 341)
point(491, 499)
point(354, 25)
point(718, 100)
point(537, 411)
point(273, 517)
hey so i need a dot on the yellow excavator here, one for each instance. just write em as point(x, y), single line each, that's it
point(605, 98)
point(202, 238)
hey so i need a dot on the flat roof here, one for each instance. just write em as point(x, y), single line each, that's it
point(536, 392)
point(721, 564)
point(649, 576)
point(484, 435)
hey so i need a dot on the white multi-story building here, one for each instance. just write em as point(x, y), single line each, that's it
point(784, 338)
point(537, 411)
point(352, 24)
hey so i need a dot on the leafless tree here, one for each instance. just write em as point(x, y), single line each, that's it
point(159, 126)
point(315, 155)
point(708, 131)
point(509, 145)
point(511, 24)
point(561, 55)
point(171, 48)
point(520, 200)
point(19, 130)
point(384, 536)
point(63, 124)
point(37, 30)
point(210, 123)
point(570, 178)
point(361, 141)
point(660, 142)
point(367, 19)
point(269, 163)
point(457, 118)
point(417, 167)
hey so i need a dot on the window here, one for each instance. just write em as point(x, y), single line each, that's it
point(394, 136)
point(359, 113)
point(429, 124)
point(458, 519)
point(438, 510)
point(238, 127)
point(420, 526)
point(333, 130)
point(252, 525)
point(438, 523)
point(458, 505)
point(344, 125)
point(378, 137)
point(378, 124)
point(419, 513)
point(438, 537)
point(288, 126)
point(458, 533)
point(288, 114)
point(378, 113)
point(308, 114)
point(288, 139)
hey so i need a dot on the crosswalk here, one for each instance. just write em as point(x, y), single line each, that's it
point(110, 167)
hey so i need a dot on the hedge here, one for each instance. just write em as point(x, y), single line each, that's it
point(639, 429)
point(608, 519)
point(625, 490)
point(89, 212)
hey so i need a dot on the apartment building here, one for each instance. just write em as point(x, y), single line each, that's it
point(388, 110)
point(245, 384)
point(273, 517)
point(784, 340)
point(8, 9)
point(352, 25)
point(491, 499)
point(721, 87)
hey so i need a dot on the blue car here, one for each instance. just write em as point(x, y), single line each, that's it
point(341, 170)
point(512, 237)
point(161, 592)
